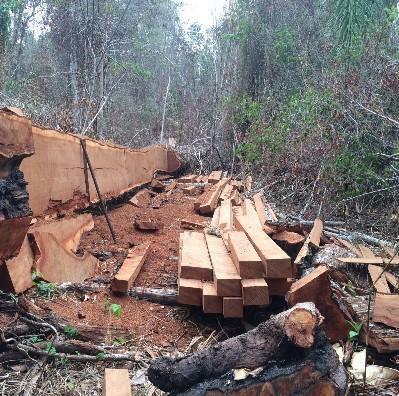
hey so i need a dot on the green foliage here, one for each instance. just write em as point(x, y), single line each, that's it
point(284, 46)
point(119, 341)
point(45, 289)
point(356, 166)
point(50, 348)
point(71, 331)
point(35, 339)
point(113, 309)
point(101, 356)
point(355, 329)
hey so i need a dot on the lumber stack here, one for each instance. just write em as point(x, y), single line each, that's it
point(233, 263)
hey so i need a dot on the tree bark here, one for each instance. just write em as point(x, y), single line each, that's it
point(249, 350)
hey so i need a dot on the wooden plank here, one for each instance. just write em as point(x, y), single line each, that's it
point(130, 268)
point(188, 179)
point(238, 185)
point(116, 383)
point(195, 261)
point(315, 234)
point(315, 287)
point(16, 273)
point(211, 302)
point(248, 263)
point(190, 292)
point(277, 263)
point(208, 201)
point(142, 199)
point(376, 273)
point(260, 208)
point(233, 307)
point(255, 292)
point(236, 198)
point(13, 232)
point(350, 247)
point(291, 238)
point(392, 279)
point(386, 310)
point(226, 193)
point(215, 177)
point(58, 265)
point(226, 278)
point(279, 287)
point(190, 190)
point(67, 231)
point(226, 216)
point(215, 218)
point(192, 225)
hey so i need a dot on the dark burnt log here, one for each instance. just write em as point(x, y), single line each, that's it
point(14, 197)
point(250, 350)
point(306, 373)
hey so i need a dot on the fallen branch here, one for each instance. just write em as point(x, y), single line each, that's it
point(160, 296)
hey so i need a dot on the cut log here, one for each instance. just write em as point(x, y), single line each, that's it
point(192, 225)
point(58, 265)
point(159, 296)
point(226, 216)
point(386, 310)
point(116, 383)
point(315, 287)
point(215, 177)
point(208, 201)
point(248, 263)
point(12, 235)
point(315, 234)
point(255, 292)
point(16, 273)
point(226, 278)
point(211, 302)
point(130, 268)
point(67, 231)
point(148, 225)
point(233, 307)
point(195, 262)
point(142, 199)
point(317, 373)
point(190, 292)
point(226, 193)
point(276, 262)
point(250, 350)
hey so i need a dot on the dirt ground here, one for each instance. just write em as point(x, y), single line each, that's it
point(164, 326)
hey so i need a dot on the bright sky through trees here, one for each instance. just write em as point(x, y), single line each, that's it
point(203, 12)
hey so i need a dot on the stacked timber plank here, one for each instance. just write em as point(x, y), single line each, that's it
point(233, 263)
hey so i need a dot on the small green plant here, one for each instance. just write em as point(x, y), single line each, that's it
point(355, 329)
point(113, 310)
point(50, 348)
point(71, 331)
point(45, 289)
point(101, 356)
point(349, 286)
point(119, 341)
point(35, 339)
point(64, 361)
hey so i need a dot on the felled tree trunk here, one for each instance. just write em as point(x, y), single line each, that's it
point(249, 350)
point(310, 373)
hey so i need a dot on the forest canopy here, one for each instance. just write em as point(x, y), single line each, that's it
point(296, 91)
